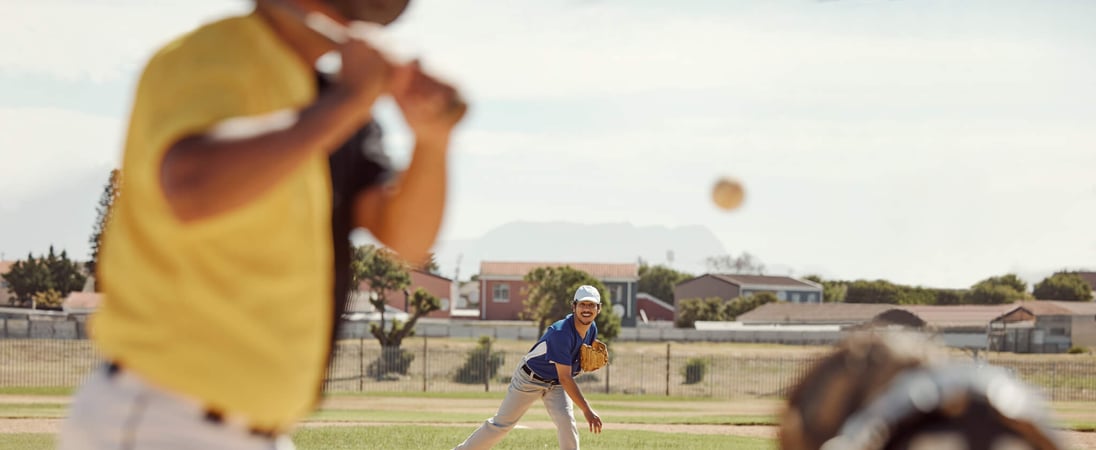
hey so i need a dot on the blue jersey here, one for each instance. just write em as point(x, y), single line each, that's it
point(560, 344)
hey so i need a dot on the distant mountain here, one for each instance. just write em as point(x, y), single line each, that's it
point(688, 246)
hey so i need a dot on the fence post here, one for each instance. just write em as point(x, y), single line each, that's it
point(711, 375)
point(783, 376)
point(1054, 381)
point(425, 361)
point(486, 374)
point(667, 369)
point(607, 377)
point(361, 364)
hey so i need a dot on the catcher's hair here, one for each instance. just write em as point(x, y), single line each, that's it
point(886, 391)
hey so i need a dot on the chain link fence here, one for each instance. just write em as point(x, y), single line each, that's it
point(446, 365)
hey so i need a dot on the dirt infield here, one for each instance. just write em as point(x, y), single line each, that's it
point(29, 426)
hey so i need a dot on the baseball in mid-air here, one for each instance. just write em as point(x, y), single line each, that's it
point(728, 193)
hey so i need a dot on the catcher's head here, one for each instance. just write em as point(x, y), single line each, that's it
point(879, 392)
point(383, 12)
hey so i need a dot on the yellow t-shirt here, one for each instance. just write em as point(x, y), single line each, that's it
point(232, 310)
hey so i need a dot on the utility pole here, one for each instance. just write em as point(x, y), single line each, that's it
point(456, 270)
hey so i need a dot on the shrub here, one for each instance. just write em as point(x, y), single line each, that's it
point(472, 372)
point(393, 360)
point(695, 369)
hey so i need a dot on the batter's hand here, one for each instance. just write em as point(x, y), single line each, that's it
point(593, 420)
point(430, 107)
point(365, 74)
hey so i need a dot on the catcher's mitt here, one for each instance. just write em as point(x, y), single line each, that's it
point(879, 392)
point(594, 357)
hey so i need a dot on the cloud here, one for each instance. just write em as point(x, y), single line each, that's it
point(553, 50)
point(46, 146)
point(540, 50)
point(95, 41)
point(958, 136)
point(863, 199)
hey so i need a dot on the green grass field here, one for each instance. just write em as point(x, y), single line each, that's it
point(1067, 413)
point(738, 370)
point(467, 411)
point(412, 437)
point(389, 421)
point(408, 437)
point(649, 405)
point(26, 441)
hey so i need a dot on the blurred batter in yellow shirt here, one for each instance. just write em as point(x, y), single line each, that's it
point(218, 265)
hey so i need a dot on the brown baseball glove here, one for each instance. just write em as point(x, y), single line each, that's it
point(885, 392)
point(594, 357)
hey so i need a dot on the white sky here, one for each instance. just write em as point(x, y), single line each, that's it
point(926, 142)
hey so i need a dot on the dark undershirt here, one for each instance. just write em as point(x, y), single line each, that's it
point(359, 164)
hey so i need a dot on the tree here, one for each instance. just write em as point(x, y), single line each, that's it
point(420, 303)
point(48, 299)
point(743, 305)
point(103, 212)
point(742, 264)
point(950, 296)
point(660, 280)
point(26, 278)
point(992, 294)
point(381, 269)
point(832, 291)
point(997, 290)
point(551, 291)
point(431, 264)
point(1063, 286)
point(916, 295)
point(1009, 280)
point(715, 309)
point(394, 359)
point(692, 310)
point(878, 291)
point(386, 273)
point(65, 275)
point(33, 276)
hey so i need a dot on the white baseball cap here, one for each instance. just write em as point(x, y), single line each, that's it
point(587, 293)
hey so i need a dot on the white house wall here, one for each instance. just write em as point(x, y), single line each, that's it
point(965, 340)
point(1084, 331)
